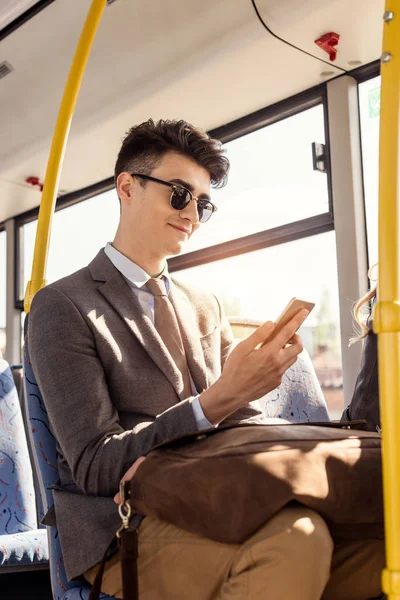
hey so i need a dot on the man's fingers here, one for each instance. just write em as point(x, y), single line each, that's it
point(293, 349)
point(257, 338)
point(128, 475)
point(296, 339)
point(287, 332)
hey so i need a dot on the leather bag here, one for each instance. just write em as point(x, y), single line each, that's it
point(225, 483)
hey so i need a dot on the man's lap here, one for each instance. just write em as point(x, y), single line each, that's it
point(176, 563)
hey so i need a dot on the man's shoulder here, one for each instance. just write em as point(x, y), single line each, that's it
point(71, 285)
point(74, 281)
point(59, 298)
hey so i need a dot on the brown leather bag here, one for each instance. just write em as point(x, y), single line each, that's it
point(225, 483)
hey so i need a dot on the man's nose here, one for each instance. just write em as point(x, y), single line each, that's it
point(190, 212)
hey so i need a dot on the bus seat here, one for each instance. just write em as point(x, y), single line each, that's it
point(22, 545)
point(17, 373)
point(43, 445)
point(299, 398)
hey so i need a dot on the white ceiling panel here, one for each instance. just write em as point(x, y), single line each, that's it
point(359, 24)
point(12, 9)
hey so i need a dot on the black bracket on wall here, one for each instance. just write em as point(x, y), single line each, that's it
point(319, 156)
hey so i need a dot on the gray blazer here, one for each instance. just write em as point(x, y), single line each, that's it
point(112, 391)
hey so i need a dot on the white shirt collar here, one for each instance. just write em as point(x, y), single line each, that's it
point(130, 270)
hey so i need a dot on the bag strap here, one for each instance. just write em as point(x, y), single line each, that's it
point(128, 543)
point(129, 567)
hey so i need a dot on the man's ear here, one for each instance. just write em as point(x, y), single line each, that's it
point(124, 187)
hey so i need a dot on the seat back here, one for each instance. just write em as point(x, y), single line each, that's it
point(299, 398)
point(43, 445)
point(17, 494)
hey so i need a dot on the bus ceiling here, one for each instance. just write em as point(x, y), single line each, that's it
point(209, 62)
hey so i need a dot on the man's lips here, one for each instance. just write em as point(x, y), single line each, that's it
point(187, 231)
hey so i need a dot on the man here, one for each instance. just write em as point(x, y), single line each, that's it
point(127, 358)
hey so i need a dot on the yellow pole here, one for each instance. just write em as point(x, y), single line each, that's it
point(387, 312)
point(56, 157)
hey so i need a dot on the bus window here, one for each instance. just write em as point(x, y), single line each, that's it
point(73, 244)
point(271, 180)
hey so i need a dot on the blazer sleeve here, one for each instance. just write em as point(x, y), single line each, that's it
point(81, 413)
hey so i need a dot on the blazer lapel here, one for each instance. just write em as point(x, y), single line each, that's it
point(118, 293)
point(190, 336)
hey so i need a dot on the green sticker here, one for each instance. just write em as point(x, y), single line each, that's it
point(374, 102)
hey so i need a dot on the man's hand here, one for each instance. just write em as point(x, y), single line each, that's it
point(128, 475)
point(254, 368)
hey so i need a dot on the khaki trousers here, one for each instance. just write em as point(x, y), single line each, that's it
point(292, 557)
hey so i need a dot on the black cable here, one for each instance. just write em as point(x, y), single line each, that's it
point(263, 23)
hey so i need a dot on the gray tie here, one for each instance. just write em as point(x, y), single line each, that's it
point(166, 323)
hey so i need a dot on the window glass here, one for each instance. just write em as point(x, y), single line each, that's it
point(271, 181)
point(3, 290)
point(78, 233)
point(369, 94)
point(259, 285)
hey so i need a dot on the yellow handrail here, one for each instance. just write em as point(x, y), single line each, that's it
point(387, 312)
point(56, 156)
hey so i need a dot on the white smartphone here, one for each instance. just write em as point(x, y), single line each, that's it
point(292, 308)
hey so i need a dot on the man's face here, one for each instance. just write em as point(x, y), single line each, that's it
point(148, 215)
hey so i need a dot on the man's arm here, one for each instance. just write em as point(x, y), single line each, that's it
point(84, 420)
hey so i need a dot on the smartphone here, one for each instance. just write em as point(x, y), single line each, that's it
point(292, 308)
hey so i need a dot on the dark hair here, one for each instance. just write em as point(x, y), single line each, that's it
point(145, 145)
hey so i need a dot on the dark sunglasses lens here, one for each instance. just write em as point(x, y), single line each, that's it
point(180, 198)
point(205, 210)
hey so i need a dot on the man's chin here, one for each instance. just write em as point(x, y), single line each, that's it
point(175, 249)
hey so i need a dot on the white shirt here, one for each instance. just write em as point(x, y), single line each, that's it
point(137, 278)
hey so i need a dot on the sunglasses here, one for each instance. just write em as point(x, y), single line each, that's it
point(180, 198)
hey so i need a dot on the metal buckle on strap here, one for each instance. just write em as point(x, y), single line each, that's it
point(124, 510)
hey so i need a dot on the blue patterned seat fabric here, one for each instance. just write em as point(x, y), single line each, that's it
point(299, 398)
point(22, 544)
point(45, 457)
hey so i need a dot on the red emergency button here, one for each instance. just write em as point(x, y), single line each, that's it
point(35, 182)
point(328, 43)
